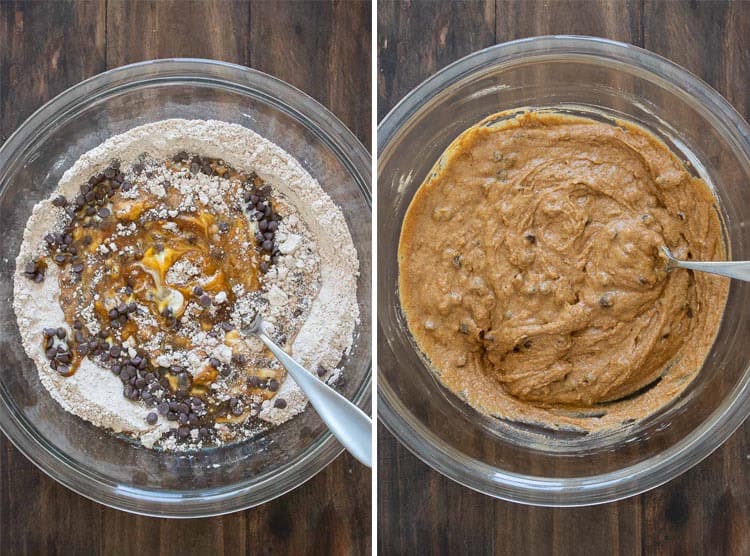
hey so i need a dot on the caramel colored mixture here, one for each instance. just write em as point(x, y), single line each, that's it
point(531, 273)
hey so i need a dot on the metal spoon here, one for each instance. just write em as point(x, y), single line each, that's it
point(349, 424)
point(732, 269)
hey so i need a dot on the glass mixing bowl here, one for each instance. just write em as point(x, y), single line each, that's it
point(600, 79)
point(96, 463)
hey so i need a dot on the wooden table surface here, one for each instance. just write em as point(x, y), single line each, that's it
point(321, 48)
point(707, 509)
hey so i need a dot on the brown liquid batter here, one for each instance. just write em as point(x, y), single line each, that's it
point(531, 274)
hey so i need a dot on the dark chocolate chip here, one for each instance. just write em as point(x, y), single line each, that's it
point(163, 408)
point(183, 432)
point(205, 300)
point(273, 385)
point(59, 201)
point(279, 403)
point(152, 418)
point(103, 212)
point(61, 333)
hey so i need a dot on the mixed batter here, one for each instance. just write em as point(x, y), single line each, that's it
point(532, 278)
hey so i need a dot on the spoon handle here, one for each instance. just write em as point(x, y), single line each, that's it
point(349, 424)
point(733, 269)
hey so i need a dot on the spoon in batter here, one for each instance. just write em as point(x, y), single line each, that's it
point(732, 269)
point(349, 424)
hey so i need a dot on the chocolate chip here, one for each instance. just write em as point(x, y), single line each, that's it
point(114, 351)
point(132, 307)
point(279, 403)
point(163, 408)
point(103, 212)
point(223, 227)
point(152, 418)
point(322, 371)
point(195, 168)
point(110, 173)
point(197, 291)
point(182, 418)
point(126, 186)
point(267, 245)
point(263, 225)
point(77, 268)
point(60, 333)
point(226, 326)
point(183, 432)
point(79, 336)
point(172, 416)
point(205, 300)
point(531, 238)
point(237, 410)
point(273, 385)
point(264, 266)
point(51, 353)
point(59, 201)
point(63, 369)
point(113, 314)
point(254, 381)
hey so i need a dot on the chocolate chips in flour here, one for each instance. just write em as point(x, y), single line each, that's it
point(133, 279)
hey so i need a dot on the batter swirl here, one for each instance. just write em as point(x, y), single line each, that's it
point(532, 278)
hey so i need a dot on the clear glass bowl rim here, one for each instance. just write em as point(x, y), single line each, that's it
point(349, 151)
point(628, 481)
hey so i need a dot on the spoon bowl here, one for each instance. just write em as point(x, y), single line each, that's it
point(349, 424)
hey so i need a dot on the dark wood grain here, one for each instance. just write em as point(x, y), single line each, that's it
point(46, 47)
point(704, 511)
point(415, 39)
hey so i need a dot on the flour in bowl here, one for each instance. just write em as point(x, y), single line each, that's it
point(134, 277)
